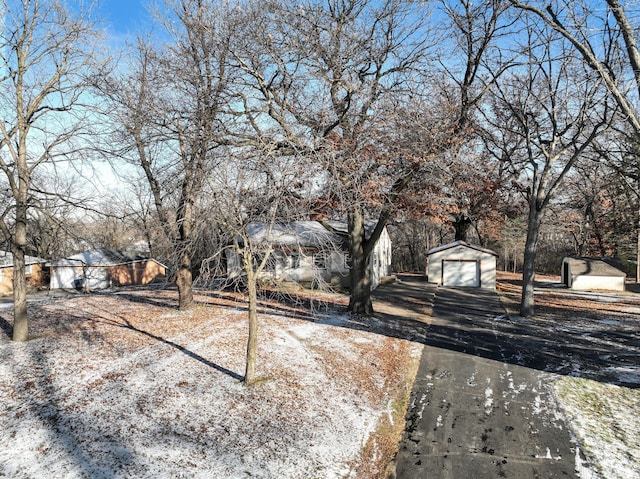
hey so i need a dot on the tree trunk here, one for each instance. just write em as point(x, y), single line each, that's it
point(184, 282)
point(252, 342)
point(638, 255)
point(528, 265)
point(185, 218)
point(461, 226)
point(20, 321)
point(360, 299)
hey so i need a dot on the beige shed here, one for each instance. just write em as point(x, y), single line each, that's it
point(461, 264)
point(593, 274)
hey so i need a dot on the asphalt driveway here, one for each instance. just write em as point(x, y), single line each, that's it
point(481, 404)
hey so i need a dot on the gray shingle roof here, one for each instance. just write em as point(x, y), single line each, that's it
point(594, 267)
point(98, 257)
point(6, 259)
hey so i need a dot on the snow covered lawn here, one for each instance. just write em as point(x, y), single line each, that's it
point(604, 417)
point(124, 385)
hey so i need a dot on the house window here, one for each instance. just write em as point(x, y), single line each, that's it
point(294, 261)
point(28, 269)
point(320, 260)
point(269, 266)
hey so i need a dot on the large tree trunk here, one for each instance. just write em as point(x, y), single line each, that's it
point(184, 279)
point(638, 253)
point(461, 226)
point(184, 282)
point(360, 300)
point(528, 266)
point(20, 321)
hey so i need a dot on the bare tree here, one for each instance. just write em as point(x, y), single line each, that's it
point(256, 194)
point(606, 38)
point(46, 52)
point(551, 112)
point(600, 36)
point(170, 106)
point(334, 78)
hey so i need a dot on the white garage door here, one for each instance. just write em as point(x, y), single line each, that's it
point(460, 273)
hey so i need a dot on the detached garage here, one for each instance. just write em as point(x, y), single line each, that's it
point(461, 264)
point(593, 274)
point(103, 268)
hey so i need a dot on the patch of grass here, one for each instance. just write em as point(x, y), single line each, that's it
point(604, 419)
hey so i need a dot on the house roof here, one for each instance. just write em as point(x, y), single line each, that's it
point(303, 234)
point(455, 244)
point(99, 257)
point(6, 259)
point(583, 266)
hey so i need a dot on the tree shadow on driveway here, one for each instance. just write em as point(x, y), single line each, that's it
point(473, 321)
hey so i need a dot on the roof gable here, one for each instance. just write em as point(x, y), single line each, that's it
point(464, 244)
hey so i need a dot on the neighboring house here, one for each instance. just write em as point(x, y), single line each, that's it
point(461, 264)
point(593, 274)
point(307, 253)
point(35, 272)
point(102, 268)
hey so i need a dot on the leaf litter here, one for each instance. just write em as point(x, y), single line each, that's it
point(124, 385)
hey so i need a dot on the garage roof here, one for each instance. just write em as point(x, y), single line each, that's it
point(455, 244)
point(6, 259)
point(100, 257)
point(594, 267)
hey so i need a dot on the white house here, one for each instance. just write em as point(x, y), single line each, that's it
point(306, 252)
point(592, 274)
point(461, 264)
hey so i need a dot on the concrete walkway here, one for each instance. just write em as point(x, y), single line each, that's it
point(476, 412)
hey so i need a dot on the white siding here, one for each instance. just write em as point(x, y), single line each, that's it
point(65, 277)
point(72, 277)
point(463, 266)
point(586, 283)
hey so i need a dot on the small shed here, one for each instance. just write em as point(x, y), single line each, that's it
point(102, 268)
point(581, 273)
point(460, 264)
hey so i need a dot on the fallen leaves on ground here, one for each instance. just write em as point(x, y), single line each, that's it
point(122, 384)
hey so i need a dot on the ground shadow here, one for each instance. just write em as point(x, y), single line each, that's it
point(473, 321)
point(124, 323)
point(6, 327)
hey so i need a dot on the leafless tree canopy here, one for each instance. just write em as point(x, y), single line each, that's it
point(447, 120)
point(46, 56)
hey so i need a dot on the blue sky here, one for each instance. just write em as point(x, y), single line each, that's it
point(123, 16)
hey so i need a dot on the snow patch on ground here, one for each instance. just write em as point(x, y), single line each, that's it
point(604, 417)
point(160, 396)
point(488, 398)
